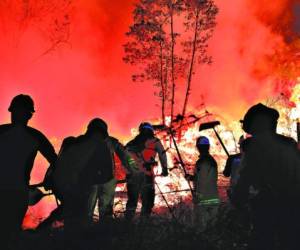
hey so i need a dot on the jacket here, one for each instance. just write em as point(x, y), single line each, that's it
point(205, 181)
point(139, 158)
point(271, 165)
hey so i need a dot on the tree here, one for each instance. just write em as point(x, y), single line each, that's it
point(49, 18)
point(201, 21)
point(147, 46)
point(154, 44)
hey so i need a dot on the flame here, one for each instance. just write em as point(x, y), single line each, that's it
point(248, 66)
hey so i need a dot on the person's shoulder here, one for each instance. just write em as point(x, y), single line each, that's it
point(155, 140)
point(4, 127)
point(285, 140)
point(113, 139)
point(36, 134)
point(212, 159)
point(114, 142)
point(68, 141)
point(34, 131)
point(207, 159)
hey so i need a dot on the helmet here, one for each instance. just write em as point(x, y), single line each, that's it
point(21, 101)
point(146, 125)
point(260, 118)
point(97, 124)
point(202, 140)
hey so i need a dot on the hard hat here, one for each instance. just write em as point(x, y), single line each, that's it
point(260, 118)
point(202, 140)
point(21, 101)
point(145, 125)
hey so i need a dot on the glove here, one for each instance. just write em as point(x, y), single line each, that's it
point(164, 172)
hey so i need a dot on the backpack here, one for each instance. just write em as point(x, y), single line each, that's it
point(84, 162)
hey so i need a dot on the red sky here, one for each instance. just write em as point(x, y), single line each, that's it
point(87, 77)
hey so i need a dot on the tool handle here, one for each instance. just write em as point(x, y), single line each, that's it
point(298, 132)
point(220, 140)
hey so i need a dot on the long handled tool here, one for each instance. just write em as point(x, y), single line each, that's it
point(164, 198)
point(180, 158)
point(170, 131)
point(212, 125)
point(298, 133)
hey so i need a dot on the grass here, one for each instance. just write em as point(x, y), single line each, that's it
point(159, 232)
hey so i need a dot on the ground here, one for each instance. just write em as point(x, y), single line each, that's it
point(231, 232)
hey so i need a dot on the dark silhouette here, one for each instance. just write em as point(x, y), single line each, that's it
point(143, 150)
point(205, 195)
point(104, 190)
point(269, 181)
point(19, 145)
point(233, 166)
point(57, 213)
point(83, 162)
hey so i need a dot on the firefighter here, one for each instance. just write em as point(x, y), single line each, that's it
point(269, 181)
point(205, 195)
point(104, 190)
point(19, 145)
point(143, 150)
point(233, 166)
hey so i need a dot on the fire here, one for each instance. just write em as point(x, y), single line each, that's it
point(175, 187)
point(240, 75)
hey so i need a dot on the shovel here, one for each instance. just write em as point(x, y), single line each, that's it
point(212, 125)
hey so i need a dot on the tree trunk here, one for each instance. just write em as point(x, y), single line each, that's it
point(172, 63)
point(162, 84)
point(190, 75)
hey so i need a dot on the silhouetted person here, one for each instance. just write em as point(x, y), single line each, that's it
point(269, 181)
point(205, 196)
point(57, 213)
point(104, 189)
point(233, 167)
point(144, 148)
point(81, 164)
point(19, 145)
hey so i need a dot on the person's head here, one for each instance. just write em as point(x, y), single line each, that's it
point(146, 128)
point(203, 144)
point(260, 119)
point(97, 125)
point(21, 109)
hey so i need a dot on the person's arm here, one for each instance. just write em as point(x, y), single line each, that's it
point(227, 169)
point(47, 150)
point(162, 157)
point(240, 192)
point(123, 155)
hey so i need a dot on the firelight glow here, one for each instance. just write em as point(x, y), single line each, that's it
point(77, 73)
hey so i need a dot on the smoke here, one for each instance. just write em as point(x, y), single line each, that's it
point(85, 76)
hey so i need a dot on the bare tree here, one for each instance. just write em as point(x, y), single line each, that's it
point(201, 20)
point(49, 18)
point(163, 54)
point(149, 47)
